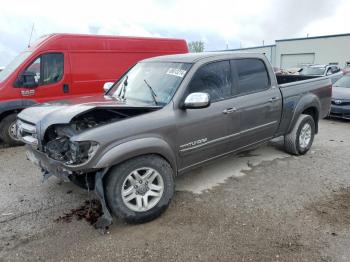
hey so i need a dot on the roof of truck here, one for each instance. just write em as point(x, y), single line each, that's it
point(195, 57)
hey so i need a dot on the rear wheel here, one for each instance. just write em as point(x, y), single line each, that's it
point(300, 139)
point(140, 189)
point(8, 130)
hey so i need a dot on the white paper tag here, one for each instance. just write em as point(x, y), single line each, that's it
point(176, 72)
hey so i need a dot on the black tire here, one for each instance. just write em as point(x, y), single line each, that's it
point(5, 136)
point(291, 140)
point(118, 174)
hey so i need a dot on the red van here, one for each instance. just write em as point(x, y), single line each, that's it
point(58, 66)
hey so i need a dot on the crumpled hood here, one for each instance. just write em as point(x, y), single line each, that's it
point(340, 93)
point(63, 111)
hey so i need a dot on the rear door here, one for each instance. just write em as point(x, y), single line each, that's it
point(206, 133)
point(52, 76)
point(258, 102)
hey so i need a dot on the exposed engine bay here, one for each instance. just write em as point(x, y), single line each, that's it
point(57, 144)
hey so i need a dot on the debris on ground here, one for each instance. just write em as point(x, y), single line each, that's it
point(90, 211)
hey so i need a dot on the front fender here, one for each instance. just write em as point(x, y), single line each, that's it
point(134, 148)
point(307, 101)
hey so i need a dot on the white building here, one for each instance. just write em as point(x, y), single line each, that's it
point(288, 53)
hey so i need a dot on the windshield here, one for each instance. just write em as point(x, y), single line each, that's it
point(343, 82)
point(13, 65)
point(153, 83)
point(315, 71)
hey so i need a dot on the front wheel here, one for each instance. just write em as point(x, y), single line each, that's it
point(300, 139)
point(8, 130)
point(140, 189)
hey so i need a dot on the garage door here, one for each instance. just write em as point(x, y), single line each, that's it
point(296, 60)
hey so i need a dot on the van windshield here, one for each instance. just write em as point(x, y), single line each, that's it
point(150, 82)
point(12, 66)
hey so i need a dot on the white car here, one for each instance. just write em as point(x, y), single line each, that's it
point(333, 71)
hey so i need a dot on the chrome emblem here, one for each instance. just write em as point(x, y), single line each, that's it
point(338, 102)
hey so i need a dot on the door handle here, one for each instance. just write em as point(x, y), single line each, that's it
point(65, 88)
point(273, 99)
point(230, 110)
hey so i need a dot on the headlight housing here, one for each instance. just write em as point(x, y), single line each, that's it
point(69, 152)
point(80, 152)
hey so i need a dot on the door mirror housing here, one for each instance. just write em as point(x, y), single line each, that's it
point(197, 100)
point(27, 80)
point(107, 86)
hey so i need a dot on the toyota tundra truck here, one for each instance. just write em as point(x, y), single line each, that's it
point(166, 116)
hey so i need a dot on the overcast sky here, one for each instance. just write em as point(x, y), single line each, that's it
point(219, 23)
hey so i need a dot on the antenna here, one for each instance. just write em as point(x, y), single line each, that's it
point(31, 33)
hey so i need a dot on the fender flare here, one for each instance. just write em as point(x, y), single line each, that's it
point(134, 148)
point(307, 101)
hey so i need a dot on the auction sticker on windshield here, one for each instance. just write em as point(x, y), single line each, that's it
point(176, 72)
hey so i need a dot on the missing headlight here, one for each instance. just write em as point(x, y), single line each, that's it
point(71, 152)
point(81, 152)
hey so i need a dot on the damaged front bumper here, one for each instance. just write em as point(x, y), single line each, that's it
point(51, 167)
point(48, 166)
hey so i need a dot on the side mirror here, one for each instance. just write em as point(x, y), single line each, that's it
point(107, 86)
point(197, 100)
point(27, 80)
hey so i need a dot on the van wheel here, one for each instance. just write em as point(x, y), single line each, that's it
point(300, 139)
point(140, 189)
point(8, 130)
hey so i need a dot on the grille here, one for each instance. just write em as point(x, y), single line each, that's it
point(340, 103)
point(27, 132)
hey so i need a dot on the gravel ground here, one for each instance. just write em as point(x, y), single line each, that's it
point(263, 205)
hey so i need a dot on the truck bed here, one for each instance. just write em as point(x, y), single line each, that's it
point(285, 79)
point(295, 88)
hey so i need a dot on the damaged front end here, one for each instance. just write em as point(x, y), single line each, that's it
point(55, 150)
point(60, 147)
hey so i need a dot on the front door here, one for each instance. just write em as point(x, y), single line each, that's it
point(51, 74)
point(205, 133)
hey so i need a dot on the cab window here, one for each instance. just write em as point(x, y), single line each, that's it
point(214, 79)
point(252, 75)
point(47, 68)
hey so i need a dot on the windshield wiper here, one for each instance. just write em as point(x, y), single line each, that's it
point(154, 95)
point(122, 91)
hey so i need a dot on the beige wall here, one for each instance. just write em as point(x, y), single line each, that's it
point(322, 50)
point(327, 50)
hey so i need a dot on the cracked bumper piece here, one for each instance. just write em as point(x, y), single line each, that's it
point(48, 166)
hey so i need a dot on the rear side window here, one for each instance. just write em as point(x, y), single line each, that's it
point(251, 75)
point(214, 79)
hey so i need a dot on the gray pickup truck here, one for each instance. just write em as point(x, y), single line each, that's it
point(165, 116)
